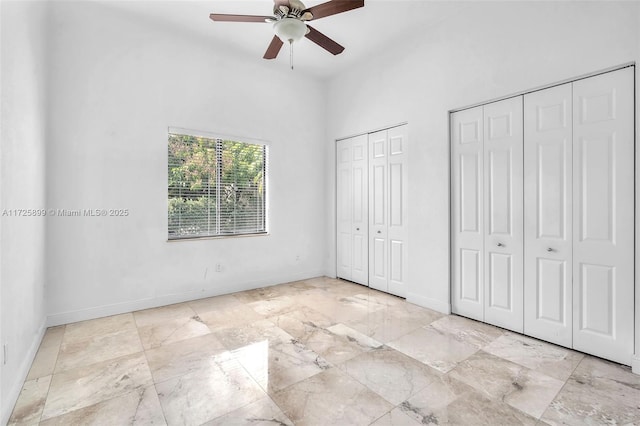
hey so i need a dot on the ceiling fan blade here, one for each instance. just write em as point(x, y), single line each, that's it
point(221, 17)
point(323, 41)
point(334, 7)
point(274, 48)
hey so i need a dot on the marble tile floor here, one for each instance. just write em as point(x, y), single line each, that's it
point(313, 352)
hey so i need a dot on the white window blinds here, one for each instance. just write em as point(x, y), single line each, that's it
point(216, 187)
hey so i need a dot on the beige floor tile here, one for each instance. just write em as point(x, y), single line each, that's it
point(438, 350)
point(372, 296)
point(260, 294)
point(502, 380)
point(81, 331)
point(449, 401)
point(467, 330)
point(216, 303)
point(141, 407)
point(183, 357)
point(273, 306)
point(476, 409)
point(209, 393)
point(334, 342)
point(85, 386)
point(392, 375)
point(247, 334)
point(607, 376)
point(30, 404)
point(354, 336)
point(333, 288)
point(44, 362)
point(373, 299)
point(396, 417)
point(343, 309)
point(53, 336)
point(331, 398)
point(393, 322)
point(274, 358)
point(297, 287)
point(230, 315)
point(301, 321)
point(438, 394)
point(598, 392)
point(537, 355)
point(162, 314)
point(338, 343)
point(171, 331)
point(263, 412)
point(97, 348)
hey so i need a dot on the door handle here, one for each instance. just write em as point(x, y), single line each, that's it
point(549, 249)
point(379, 232)
point(500, 245)
point(357, 229)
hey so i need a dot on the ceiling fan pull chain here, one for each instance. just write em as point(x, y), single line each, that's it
point(291, 53)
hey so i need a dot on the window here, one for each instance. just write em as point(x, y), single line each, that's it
point(217, 187)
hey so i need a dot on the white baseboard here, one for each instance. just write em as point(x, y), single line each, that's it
point(169, 299)
point(635, 364)
point(23, 370)
point(426, 302)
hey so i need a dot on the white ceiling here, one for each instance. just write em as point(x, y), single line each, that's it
point(377, 26)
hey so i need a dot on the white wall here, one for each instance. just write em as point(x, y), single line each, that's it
point(117, 82)
point(636, 360)
point(22, 181)
point(488, 50)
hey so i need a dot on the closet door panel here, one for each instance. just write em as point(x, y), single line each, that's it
point(344, 254)
point(378, 211)
point(503, 240)
point(397, 226)
point(603, 221)
point(352, 210)
point(547, 217)
point(467, 207)
point(360, 209)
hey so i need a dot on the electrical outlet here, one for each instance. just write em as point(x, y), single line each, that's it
point(218, 267)
point(297, 258)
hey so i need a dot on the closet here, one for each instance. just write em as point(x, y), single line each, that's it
point(371, 209)
point(487, 205)
point(543, 214)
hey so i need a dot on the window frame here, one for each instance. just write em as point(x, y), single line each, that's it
point(222, 137)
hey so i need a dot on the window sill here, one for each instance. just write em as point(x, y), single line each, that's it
point(218, 237)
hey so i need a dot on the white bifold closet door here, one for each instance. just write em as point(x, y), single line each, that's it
point(467, 206)
point(352, 210)
point(487, 213)
point(503, 241)
point(543, 214)
point(603, 215)
point(387, 210)
point(548, 214)
point(579, 223)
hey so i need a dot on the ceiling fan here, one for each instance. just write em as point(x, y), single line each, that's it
point(290, 19)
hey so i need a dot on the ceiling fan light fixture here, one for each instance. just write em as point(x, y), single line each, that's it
point(290, 29)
